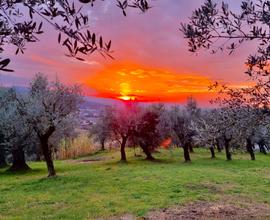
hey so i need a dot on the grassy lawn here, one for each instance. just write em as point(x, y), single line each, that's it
point(109, 188)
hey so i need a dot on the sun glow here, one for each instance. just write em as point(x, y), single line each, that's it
point(127, 98)
point(143, 84)
point(125, 92)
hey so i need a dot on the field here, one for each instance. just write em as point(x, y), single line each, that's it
point(99, 186)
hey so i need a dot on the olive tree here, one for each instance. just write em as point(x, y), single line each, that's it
point(175, 123)
point(21, 22)
point(193, 112)
point(123, 124)
point(16, 132)
point(102, 130)
point(262, 137)
point(217, 124)
point(250, 122)
point(251, 110)
point(218, 28)
point(3, 162)
point(46, 109)
point(147, 134)
point(206, 134)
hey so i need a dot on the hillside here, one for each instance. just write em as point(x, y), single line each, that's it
point(99, 186)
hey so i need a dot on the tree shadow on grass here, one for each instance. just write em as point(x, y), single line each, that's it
point(8, 172)
point(142, 161)
point(50, 184)
point(40, 182)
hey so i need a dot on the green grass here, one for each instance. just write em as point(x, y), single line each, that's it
point(108, 188)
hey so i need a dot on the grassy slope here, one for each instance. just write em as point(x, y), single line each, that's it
point(106, 188)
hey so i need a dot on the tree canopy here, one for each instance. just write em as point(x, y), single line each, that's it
point(21, 22)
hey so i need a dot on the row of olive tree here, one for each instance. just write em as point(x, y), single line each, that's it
point(245, 111)
point(38, 118)
point(233, 128)
point(129, 124)
point(147, 127)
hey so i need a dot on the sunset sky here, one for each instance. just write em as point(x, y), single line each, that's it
point(152, 62)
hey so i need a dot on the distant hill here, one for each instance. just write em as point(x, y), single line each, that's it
point(89, 104)
point(21, 89)
point(97, 103)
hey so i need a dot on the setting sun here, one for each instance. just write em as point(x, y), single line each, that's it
point(144, 84)
point(127, 98)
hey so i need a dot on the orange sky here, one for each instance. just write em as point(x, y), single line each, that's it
point(134, 82)
point(152, 61)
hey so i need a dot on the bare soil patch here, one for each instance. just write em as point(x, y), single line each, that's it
point(229, 208)
point(238, 209)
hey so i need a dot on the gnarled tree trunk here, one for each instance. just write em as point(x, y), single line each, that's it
point(262, 148)
point(103, 145)
point(250, 149)
point(147, 152)
point(227, 149)
point(122, 148)
point(46, 150)
point(3, 162)
point(47, 156)
point(186, 153)
point(18, 160)
point(212, 150)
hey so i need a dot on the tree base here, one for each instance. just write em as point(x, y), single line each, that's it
point(52, 176)
point(252, 156)
point(3, 165)
point(19, 168)
point(213, 155)
point(123, 161)
point(150, 158)
point(228, 156)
